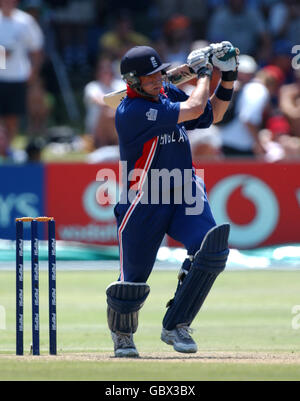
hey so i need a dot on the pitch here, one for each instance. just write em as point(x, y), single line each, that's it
point(248, 329)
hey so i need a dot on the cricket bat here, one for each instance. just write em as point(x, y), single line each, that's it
point(177, 76)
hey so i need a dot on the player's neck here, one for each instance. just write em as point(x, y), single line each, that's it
point(133, 94)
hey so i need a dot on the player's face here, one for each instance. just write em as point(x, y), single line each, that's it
point(152, 83)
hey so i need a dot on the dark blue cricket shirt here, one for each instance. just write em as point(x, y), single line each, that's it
point(150, 137)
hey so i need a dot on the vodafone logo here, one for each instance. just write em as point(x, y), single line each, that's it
point(97, 200)
point(249, 205)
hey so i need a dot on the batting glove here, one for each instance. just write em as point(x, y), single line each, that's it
point(198, 61)
point(220, 49)
point(227, 64)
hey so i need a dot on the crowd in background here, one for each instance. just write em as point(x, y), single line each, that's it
point(75, 47)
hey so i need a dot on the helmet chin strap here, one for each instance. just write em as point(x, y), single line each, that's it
point(134, 83)
point(140, 91)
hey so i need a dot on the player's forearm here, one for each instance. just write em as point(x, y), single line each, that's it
point(195, 105)
point(200, 94)
point(219, 105)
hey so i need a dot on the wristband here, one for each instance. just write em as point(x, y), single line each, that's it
point(224, 93)
point(229, 75)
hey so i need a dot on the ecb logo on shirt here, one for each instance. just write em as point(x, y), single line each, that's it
point(151, 114)
point(2, 58)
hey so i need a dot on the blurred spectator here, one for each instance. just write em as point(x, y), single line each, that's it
point(208, 143)
point(194, 10)
point(4, 147)
point(144, 14)
point(34, 8)
point(7, 154)
point(104, 155)
point(99, 117)
point(240, 137)
point(23, 40)
point(264, 4)
point(39, 106)
point(284, 20)
point(34, 150)
point(205, 143)
point(121, 37)
point(269, 138)
point(71, 20)
point(243, 26)
point(247, 70)
point(289, 102)
point(281, 56)
point(277, 141)
point(176, 39)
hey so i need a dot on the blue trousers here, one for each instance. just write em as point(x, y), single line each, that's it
point(142, 227)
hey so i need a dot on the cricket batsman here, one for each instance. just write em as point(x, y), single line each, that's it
point(152, 123)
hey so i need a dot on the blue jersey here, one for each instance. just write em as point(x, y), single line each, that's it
point(151, 138)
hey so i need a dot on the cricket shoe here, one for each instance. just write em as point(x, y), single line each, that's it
point(124, 346)
point(180, 338)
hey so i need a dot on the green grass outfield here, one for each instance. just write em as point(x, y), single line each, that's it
point(244, 330)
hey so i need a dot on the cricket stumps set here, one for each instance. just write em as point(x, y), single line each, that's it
point(34, 222)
